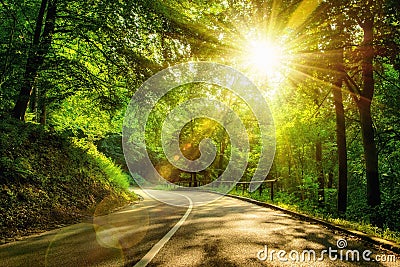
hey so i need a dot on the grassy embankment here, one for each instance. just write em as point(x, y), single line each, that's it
point(48, 180)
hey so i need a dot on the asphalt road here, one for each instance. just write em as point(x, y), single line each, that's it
point(226, 232)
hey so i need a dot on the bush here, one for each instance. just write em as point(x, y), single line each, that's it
point(113, 172)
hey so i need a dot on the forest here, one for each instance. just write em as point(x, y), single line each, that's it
point(329, 71)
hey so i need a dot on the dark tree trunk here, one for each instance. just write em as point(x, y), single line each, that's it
point(364, 107)
point(340, 136)
point(368, 136)
point(330, 179)
point(38, 50)
point(321, 178)
point(33, 102)
point(193, 179)
point(32, 66)
point(194, 175)
point(370, 153)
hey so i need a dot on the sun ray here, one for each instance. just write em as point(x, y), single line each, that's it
point(273, 16)
point(302, 13)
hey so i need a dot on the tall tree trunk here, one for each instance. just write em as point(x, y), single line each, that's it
point(370, 153)
point(364, 106)
point(321, 178)
point(38, 50)
point(340, 135)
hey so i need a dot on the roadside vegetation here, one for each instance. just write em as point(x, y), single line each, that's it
point(48, 179)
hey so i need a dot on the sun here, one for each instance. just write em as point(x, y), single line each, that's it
point(264, 61)
point(264, 56)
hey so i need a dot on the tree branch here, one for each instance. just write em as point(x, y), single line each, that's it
point(352, 93)
point(389, 81)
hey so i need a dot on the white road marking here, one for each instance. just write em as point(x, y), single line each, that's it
point(156, 248)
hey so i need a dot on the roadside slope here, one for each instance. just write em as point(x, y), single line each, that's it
point(47, 180)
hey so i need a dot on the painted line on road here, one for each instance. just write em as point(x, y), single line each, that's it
point(156, 248)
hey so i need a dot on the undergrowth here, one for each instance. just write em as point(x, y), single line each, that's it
point(47, 179)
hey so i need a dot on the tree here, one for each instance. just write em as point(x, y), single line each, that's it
point(362, 96)
point(340, 134)
point(40, 46)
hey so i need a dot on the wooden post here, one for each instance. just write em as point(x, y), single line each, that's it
point(194, 179)
point(272, 190)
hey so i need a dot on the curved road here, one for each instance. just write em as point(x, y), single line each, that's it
point(226, 232)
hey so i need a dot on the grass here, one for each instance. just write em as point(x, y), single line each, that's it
point(113, 172)
point(47, 179)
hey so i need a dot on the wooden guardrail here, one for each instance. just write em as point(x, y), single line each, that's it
point(244, 185)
